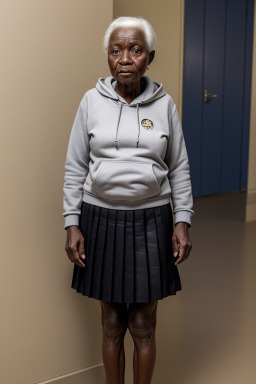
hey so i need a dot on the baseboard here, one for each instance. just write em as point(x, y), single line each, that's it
point(91, 375)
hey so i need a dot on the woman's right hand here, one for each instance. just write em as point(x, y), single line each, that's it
point(75, 245)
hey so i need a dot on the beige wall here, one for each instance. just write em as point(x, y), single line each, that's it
point(251, 195)
point(51, 53)
point(167, 20)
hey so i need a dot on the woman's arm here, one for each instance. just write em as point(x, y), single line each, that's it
point(181, 188)
point(76, 170)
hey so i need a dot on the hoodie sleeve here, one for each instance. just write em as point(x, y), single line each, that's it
point(179, 172)
point(76, 168)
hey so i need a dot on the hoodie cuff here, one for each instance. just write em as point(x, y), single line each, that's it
point(71, 220)
point(183, 216)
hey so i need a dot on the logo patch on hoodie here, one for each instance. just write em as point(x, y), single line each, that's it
point(147, 124)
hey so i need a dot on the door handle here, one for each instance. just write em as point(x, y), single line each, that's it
point(208, 96)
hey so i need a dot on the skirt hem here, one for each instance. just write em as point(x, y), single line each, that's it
point(125, 302)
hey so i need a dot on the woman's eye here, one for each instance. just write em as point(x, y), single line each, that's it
point(115, 51)
point(137, 50)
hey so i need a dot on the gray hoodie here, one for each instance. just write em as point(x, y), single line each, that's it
point(127, 156)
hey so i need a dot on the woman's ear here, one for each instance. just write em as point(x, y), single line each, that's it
point(151, 57)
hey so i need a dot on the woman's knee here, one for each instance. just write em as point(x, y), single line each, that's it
point(114, 322)
point(142, 324)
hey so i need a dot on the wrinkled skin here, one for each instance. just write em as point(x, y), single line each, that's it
point(75, 245)
point(181, 242)
point(128, 59)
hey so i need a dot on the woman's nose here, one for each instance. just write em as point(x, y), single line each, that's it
point(125, 58)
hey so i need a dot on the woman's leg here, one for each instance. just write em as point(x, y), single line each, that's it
point(142, 325)
point(114, 319)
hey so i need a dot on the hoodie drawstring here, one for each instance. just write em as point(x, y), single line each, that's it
point(118, 122)
point(119, 117)
point(138, 118)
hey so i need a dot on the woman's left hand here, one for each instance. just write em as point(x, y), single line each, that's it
point(181, 242)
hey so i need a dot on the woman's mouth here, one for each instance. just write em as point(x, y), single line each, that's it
point(125, 72)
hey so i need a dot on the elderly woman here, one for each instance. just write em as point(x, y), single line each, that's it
point(126, 163)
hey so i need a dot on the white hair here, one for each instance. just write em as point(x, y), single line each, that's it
point(133, 22)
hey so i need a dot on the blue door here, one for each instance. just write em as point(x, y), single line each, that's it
point(216, 93)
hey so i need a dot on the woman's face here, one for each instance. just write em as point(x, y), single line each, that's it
point(128, 56)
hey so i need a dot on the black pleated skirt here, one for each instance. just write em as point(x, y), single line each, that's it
point(129, 256)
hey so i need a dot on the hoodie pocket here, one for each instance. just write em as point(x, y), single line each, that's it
point(125, 180)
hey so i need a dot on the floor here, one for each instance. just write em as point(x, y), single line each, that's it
point(206, 333)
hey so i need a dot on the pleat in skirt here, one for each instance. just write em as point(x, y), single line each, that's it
point(129, 257)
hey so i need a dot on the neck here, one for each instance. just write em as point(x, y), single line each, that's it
point(129, 92)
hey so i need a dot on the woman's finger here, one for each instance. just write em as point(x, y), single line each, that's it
point(187, 252)
point(182, 253)
point(81, 249)
point(76, 258)
point(175, 248)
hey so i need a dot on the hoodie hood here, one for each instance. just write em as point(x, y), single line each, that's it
point(152, 91)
